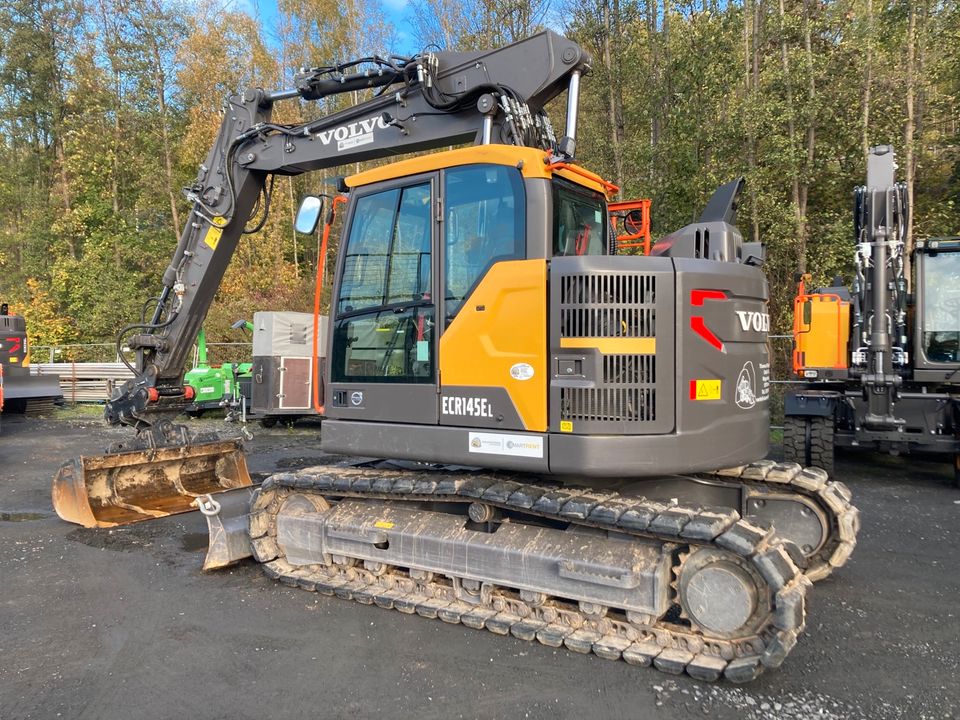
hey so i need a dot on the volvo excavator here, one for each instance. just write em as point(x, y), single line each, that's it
point(539, 422)
point(879, 366)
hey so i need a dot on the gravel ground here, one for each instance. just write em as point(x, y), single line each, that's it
point(123, 624)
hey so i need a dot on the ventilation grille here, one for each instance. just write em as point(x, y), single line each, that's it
point(628, 394)
point(611, 306)
point(607, 305)
point(609, 405)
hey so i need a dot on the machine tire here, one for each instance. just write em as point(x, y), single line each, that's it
point(794, 440)
point(809, 441)
point(268, 422)
point(821, 443)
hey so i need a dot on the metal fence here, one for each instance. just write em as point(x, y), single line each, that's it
point(85, 382)
point(217, 353)
point(89, 372)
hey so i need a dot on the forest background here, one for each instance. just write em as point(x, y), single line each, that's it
point(109, 106)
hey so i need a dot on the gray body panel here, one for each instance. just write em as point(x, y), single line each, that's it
point(18, 383)
point(743, 440)
point(428, 443)
point(563, 454)
point(612, 298)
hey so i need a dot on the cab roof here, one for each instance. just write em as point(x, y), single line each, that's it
point(533, 163)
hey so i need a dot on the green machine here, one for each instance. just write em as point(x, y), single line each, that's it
point(219, 386)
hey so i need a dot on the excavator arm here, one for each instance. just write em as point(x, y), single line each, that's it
point(424, 102)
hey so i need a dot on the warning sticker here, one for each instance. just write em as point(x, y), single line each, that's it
point(705, 389)
point(566, 426)
point(383, 524)
point(212, 238)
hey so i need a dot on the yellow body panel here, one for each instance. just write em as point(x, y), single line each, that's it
point(821, 332)
point(613, 345)
point(533, 165)
point(481, 346)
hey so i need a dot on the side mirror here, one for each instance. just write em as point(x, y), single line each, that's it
point(308, 216)
point(633, 222)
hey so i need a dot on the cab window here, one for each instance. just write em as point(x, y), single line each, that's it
point(484, 222)
point(387, 259)
point(941, 307)
point(579, 220)
point(385, 314)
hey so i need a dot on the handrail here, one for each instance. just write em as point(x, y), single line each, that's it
point(318, 291)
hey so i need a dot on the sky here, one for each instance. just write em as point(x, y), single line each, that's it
point(396, 11)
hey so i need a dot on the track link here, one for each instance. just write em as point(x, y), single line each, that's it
point(831, 496)
point(671, 645)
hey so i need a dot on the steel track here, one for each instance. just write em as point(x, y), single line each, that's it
point(671, 645)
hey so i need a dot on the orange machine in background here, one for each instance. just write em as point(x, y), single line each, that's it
point(821, 331)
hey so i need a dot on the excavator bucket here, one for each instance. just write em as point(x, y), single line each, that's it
point(126, 487)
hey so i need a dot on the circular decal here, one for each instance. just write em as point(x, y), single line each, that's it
point(356, 398)
point(521, 371)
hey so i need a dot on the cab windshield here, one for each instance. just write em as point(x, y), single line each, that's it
point(579, 220)
point(941, 307)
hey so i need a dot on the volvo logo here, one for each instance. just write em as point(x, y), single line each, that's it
point(356, 398)
point(752, 320)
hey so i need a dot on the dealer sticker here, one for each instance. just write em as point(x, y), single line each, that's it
point(501, 444)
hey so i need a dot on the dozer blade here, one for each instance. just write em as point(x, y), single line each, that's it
point(126, 487)
point(228, 519)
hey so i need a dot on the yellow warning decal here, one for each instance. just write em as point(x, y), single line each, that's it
point(216, 230)
point(384, 524)
point(566, 426)
point(705, 389)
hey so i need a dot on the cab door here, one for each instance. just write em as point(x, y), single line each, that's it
point(383, 349)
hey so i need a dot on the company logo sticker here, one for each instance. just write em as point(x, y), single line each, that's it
point(356, 398)
point(747, 386)
point(521, 371)
point(353, 135)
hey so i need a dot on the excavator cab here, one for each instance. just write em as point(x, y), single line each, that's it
point(481, 316)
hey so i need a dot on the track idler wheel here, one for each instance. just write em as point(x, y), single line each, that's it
point(721, 593)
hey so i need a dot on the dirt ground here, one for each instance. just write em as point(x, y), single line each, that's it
point(123, 624)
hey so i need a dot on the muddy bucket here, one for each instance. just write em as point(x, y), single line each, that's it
point(126, 487)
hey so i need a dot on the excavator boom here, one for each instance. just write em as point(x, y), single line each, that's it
point(423, 102)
